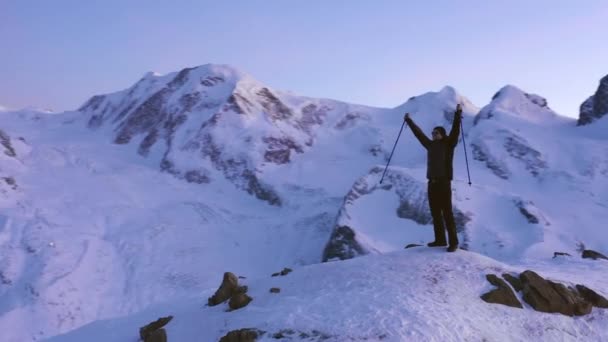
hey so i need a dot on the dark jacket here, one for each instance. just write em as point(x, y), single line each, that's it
point(440, 153)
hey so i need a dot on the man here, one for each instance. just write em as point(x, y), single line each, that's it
point(440, 153)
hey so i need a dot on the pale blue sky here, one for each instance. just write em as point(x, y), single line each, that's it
point(57, 53)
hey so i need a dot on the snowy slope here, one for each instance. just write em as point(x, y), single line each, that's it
point(147, 195)
point(419, 294)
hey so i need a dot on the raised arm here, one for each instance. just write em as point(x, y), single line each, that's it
point(424, 140)
point(455, 131)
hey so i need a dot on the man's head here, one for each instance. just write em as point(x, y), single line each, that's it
point(438, 133)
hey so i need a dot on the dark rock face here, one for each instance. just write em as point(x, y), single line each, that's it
point(153, 332)
point(5, 141)
point(342, 245)
point(312, 115)
point(537, 100)
point(556, 254)
point(547, 296)
point(284, 272)
point(502, 294)
point(595, 106)
point(242, 335)
point(481, 153)
point(416, 211)
point(276, 109)
point(279, 149)
point(591, 254)
point(525, 211)
point(518, 148)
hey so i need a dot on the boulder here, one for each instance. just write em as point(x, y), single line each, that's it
point(593, 297)
point(547, 296)
point(591, 254)
point(228, 287)
point(502, 294)
point(147, 332)
point(242, 335)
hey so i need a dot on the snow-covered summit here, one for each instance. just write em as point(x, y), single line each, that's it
point(511, 103)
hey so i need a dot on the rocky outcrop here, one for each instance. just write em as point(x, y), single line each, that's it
point(591, 254)
point(548, 296)
point(593, 297)
point(283, 272)
point(498, 167)
point(342, 245)
point(242, 335)
point(154, 332)
point(502, 294)
point(544, 295)
point(520, 149)
point(595, 106)
point(514, 281)
point(230, 290)
point(5, 142)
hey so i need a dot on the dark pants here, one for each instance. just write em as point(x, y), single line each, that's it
point(440, 201)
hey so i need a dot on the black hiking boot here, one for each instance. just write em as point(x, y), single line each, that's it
point(436, 244)
point(453, 248)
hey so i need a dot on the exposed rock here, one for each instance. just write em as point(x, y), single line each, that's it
point(524, 211)
point(593, 297)
point(502, 294)
point(159, 335)
point(239, 300)
point(556, 254)
point(11, 182)
point(595, 106)
point(276, 109)
point(547, 296)
point(342, 245)
point(498, 167)
point(226, 290)
point(279, 149)
point(149, 333)
point(150, 114)
point(312, 116)
point(417, 211)
point(284, 272)
point(261, 191)
point(242, 335)
point(275, 290)
point(5, 141)
point(197, 176)
point(514, 281)
point(313, 335)
point(519, 148)
point(591, 254)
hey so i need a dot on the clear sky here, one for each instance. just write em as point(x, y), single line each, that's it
point(57, 53)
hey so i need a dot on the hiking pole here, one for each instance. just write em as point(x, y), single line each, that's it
point(391, 156)
point(464, 144)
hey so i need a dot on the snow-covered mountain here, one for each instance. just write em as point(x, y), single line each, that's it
point(145, 197)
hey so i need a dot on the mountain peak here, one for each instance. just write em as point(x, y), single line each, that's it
point(596, 106)
point(515, 102)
